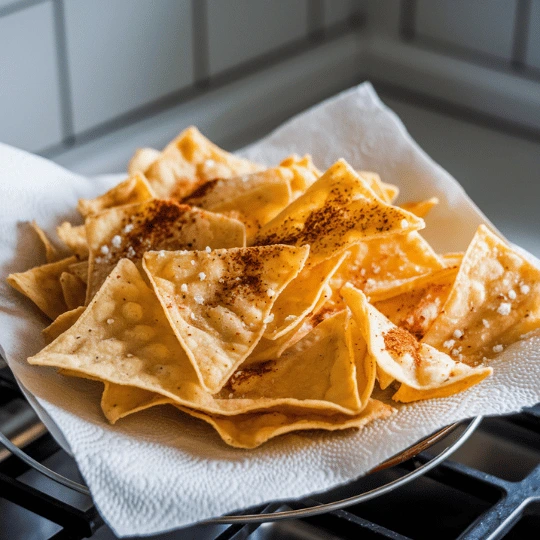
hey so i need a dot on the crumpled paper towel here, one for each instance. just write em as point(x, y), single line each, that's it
point(160, 470)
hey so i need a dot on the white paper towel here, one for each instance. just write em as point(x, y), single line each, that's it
point(160, 470)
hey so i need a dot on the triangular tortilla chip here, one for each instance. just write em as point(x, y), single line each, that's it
point(386, 192)
point(61, 324)
point(381, 266)
point(338, 210)
point(418, 302)
point(74, 237)
point(142, 159)
point(300, 297)
point(219, 305)
point(73, 289)
point(51, 252)
point(420, 367)
point(252, 430)
point(130, 231)
point(42, 285)
point(133, 190)
point(420, 208)
point(452, 260)
point(495, 300)
point(191, 159)
point(80, 269)
point(136, 354)
point(254, 199)
point(304, 173)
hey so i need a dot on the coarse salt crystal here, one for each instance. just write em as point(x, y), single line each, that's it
point(131, 252)
point(455, 352)
point(209, 163)
point(504, 309)
point(99, 260)
point(202, 276)
point(271, 293)
point(458, 333)
point(110, 321)
point(192, 315)
point(376, 269)
point(199, 299)
point(268, 318)
point(363, 272)
point(370, 282)
point(404, 223)
point(161, 254)
point(183, 287)
point(524, 289)
point(512, 294)
point(449, 344)
point(485, 322)
point(290, 318)
point(208, 249)
point(129, 355)
point(128, 228)
point(498, 348)
point(192, 262)
point(116, 241)
point(104, 250)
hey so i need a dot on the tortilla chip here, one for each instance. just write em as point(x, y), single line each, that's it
point(418, 302)
point(300, 297)
point(385, 192)
point(338, 210)
point(121, 344)
point(142, 159)
point(452, 260)
point(133, 190)
point(420, 208)
point(74, 237)
point(253, 199)
point(42, 285)
point(494, 301)
point(130, 231)
point(252, 430)
point(80, 270)
point(191, 159)
point(61, 324)
point(304, 173)
point(219, 306)
point(400, 356)
point(51, 252)
point(73, 289)
point(380, 266)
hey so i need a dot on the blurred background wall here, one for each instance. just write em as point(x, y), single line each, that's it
point(84, 82)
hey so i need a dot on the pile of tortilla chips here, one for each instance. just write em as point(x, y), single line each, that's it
point(270, 300)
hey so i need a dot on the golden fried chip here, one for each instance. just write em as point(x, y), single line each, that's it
point(254, 199)
point(220, 304)
point(142, 159)
point(73, 289)
point(418, 302)
point(452, 260)
point(61, 324)
point(124, 345)
point(338, 210)
point(252, 430)
point(74, 237)
point(130, 231)
point(51, 252)
point(42, 285)
point(133, 190)
point(495, 300)
point(400, 356)
point(300, 297)
point(191, 159)
point(80, 270)
point(385, 192)
point(304, 173)
point(420, 208)
point(381, 266)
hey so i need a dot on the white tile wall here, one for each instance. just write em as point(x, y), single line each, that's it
point(30, 102)
point(338, 11)
point(240, 30)
point(125, 54)
point(533, 49)
point(10, 3)
point(485, 26)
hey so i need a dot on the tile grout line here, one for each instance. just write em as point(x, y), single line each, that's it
point(200, 43)
point(66, 106)
point(520, 39)
point(19, 6)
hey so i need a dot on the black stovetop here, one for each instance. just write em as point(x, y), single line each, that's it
point(489, 489)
